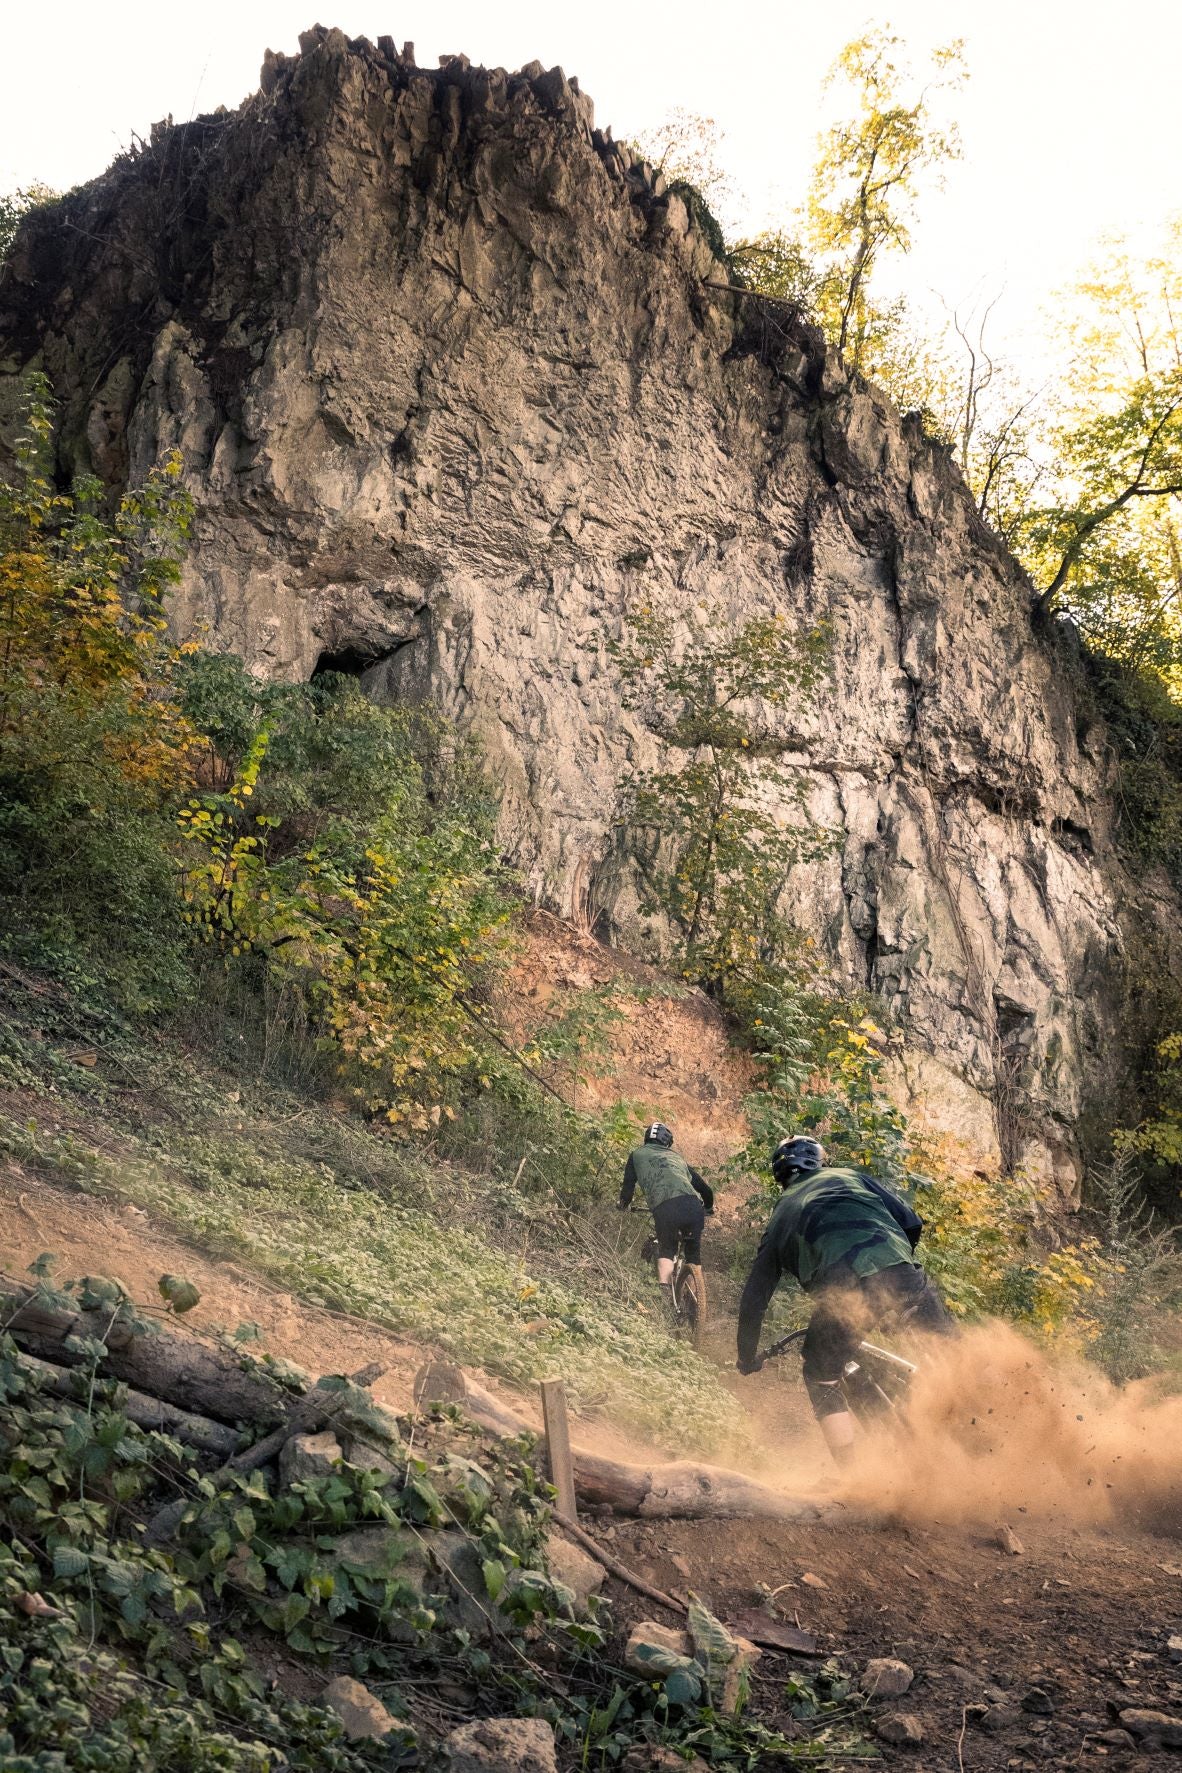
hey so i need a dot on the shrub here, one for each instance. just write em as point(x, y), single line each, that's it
point(94, 750)
point(349, 849)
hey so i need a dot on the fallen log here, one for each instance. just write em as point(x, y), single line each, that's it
point(194, 1375)
point(680, 1490)
point(146, 1412)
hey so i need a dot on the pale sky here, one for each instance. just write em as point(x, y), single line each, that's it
point(1071, 120)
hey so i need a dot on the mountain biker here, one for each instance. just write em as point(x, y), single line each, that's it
point(677, 1198)
point(850, 1243)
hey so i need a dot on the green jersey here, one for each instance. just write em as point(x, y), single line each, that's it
point(839, 1220)
point(661, 1175)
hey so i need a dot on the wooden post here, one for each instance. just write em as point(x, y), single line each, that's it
point(562, 1467)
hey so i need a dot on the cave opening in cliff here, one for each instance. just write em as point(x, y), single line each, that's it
point(348, 661)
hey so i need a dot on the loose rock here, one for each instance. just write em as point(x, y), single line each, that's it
point(1174, 1648)
point(999, 1717)
point(307, 1456)
point(1039, 1703)
point(1115, 1739)
point(1153, 1727)
point(575, 1568)
point(1008, 1541)
point(900, 1727)
point(884, 1677)
point(502, 1745)
point(361, 1713)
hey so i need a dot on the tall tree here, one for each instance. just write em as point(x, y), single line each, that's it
point(868, 174)
point(1103, 540)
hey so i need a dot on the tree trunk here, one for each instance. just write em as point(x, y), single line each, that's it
point(192, 1374)
point(682, 1490)
point(146, 1412)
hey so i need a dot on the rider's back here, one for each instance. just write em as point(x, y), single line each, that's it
point(838, 1220)
point(660, 1174)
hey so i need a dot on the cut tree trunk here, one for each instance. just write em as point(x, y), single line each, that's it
point(683, 1490)
point(191, 1374)
point(146, 1412)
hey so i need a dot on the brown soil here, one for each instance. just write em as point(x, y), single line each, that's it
point(669, 1055)
point(1082, 1614)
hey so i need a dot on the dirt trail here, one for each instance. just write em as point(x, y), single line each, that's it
point(1082, 1615)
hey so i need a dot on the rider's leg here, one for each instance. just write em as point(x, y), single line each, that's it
point(839, 1430)
point(666, 1231)
point(828, 1344)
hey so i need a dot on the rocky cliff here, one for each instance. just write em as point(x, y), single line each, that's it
point(455, 381)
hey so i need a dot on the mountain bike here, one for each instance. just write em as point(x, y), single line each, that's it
point(874, 1386)
point(688, 1290)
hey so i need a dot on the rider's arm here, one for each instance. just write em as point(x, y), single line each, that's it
point(762, 1282)
point(704, 1189)
point(905, 1216)
point(628, 1188)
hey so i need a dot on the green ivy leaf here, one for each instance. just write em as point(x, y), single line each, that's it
point(182, 1295)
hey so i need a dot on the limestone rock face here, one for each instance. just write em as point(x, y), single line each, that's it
point(455, 385)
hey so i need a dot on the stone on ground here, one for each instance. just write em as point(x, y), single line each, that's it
point(575, 1568)
point(654, 1649)
point(885, 1677)
point(362, 1714)
point(502, 1745)
point(902, 1728)
point(1152, 1727)
point(306, 1456)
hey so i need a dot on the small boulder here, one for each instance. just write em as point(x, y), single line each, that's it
point(306, 1456)
point(1174, 1648)
point(1038, 1703)
point(654, 1649)
point(652, 1759)
point(362, 1714)
point(1152, 1728)
point(884, 1677)
point(575, 1568)
point(902, 1728)
point(1007, 1540)
point(1114, 1739)
point(366, 1457)
point(999, 1717)
point(502, 1745)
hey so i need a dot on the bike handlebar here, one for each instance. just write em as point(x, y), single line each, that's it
point(782, 1346)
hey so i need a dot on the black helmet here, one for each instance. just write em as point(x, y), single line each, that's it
point(794, 1158)
point(658, 1134)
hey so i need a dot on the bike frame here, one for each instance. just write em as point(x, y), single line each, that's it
point(858, 1378)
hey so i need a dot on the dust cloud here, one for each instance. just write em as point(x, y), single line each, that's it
point(997, 1426)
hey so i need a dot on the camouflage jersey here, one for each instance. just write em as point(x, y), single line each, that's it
point(661, 1175)
point(834, 1225)
point(840, 1219)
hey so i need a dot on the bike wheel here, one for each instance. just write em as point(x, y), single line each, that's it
point(691, 1301)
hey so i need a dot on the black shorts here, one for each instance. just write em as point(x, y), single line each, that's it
point(680, 1218)
point(847, 1307)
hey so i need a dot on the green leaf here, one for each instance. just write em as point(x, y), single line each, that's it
point(683, 1686)
point(494, 1577)
point(182, 1295)
point(69, 1561)
point(97, 1292)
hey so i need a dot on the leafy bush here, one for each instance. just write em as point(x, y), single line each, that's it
point(1136, 1269)
point(711, 844)
point(349, 848)
point(94, 750)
